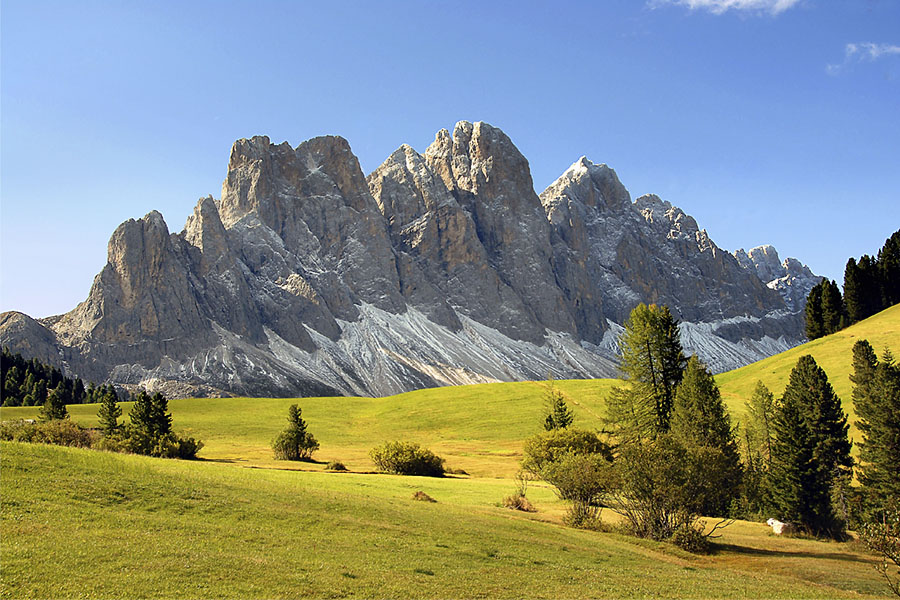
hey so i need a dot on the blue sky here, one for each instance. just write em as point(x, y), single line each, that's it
point(769, 121)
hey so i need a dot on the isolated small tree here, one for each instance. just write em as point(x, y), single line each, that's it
point(882, 536)
point(55, 406)
point(295, 442)
point(558, 414)
point(109, 413)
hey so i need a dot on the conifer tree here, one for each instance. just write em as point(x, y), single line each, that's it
point(833, 318)
point(815, 327)
point(700, 420)
point(889, 270)
point(109, 413)
point(853, 292)
point(558, 413)
point(653, 362)
point(55, 405)
point(760, 412)
point(876, 398)
point(810, 426)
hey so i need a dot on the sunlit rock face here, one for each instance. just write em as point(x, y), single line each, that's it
point(441, 268)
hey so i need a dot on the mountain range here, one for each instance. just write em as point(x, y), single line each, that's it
point(308, 277)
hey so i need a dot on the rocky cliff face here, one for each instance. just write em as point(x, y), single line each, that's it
point(438, 268)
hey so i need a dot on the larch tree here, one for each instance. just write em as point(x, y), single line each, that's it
point(653, 362)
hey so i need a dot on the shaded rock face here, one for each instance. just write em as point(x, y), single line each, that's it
point(440, 268)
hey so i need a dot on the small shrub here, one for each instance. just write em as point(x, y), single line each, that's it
point(335, 465)
point(518, 502)
point(456, 471)
point(423, 497)
point(407, 458)
point(691, 539)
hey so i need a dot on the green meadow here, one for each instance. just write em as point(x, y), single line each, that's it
point(83, 523)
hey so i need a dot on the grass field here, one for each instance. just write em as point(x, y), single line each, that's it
point(80, 523)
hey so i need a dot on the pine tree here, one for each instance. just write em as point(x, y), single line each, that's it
point(78, 394)
point(815, 327)
point(853, 292)
point(141, 414)
point(760, 412)
point(700, 420)
point(870, 286)
point(889, 270)
point(822, 430)
point(799, 487)
point(55, 405)
point(109, 413)
point(162, 419)
point(876, 398)
point(653, 362)
point(558, 413)
point(295, 442)
point(833, 318)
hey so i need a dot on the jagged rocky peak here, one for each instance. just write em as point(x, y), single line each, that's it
point(444, 267)
point(594, 185)
point(790, 278)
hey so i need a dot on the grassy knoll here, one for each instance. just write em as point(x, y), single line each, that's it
point(81, 523)
point(833, 353)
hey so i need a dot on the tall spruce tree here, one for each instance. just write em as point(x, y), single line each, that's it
point(700, 420)
point(760, 413)
point(653, 362)
point(815, 327)
point(822, 434)
point(870, 286)
point(833, 317)
point(854, 286)
point(876, 398)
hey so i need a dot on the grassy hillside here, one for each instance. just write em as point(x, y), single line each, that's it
point(478, 428)
point(833, 353)
point(81, 523)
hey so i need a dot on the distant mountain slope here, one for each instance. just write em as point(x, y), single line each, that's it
point(309, 278)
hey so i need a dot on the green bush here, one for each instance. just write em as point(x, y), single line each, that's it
point(549, 446)
point(691, 539)
point(61, 432)
point(407, 458)
point(335, 465)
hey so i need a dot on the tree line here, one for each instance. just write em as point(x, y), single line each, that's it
point(30, 382)
point(670, 453)
point(871, 285)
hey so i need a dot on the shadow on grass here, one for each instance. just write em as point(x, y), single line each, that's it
point(718, 548)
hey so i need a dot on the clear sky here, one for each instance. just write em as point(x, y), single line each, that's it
point(769, 121)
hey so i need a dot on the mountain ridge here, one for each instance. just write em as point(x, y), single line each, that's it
point(309, 277)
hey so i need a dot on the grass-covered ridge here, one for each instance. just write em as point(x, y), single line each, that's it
point(79, 523)
point(834, 353)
